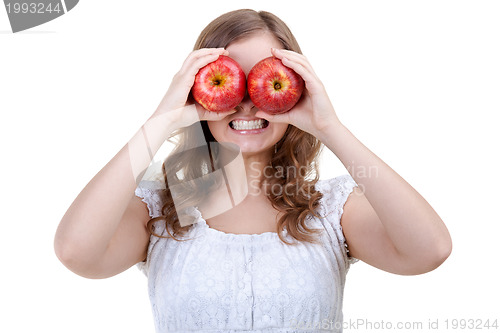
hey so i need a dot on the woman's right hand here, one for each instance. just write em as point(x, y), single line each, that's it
point(176, 101)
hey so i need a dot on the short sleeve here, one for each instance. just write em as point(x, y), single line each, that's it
point(151, 193)
point(335, 193)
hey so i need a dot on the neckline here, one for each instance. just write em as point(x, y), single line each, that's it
point(227, 236)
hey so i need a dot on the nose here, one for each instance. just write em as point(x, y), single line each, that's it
point(246, 104)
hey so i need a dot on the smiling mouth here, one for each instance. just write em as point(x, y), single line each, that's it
point(240, 125)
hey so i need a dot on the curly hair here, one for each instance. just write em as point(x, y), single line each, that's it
point(296, 150)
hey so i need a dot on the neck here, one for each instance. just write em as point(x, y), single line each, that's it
point(244, 174)
point(254, 165)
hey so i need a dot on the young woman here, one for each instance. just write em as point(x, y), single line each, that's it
point(277, 258)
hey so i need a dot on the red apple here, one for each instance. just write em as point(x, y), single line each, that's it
point(220, 85)
point(273, 87)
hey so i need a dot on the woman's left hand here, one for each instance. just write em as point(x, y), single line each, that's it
point(314, 112)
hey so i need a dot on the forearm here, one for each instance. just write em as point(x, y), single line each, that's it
point(410, 222)
point(92, 219)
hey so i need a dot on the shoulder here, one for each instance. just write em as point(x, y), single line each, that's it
point(152, 193)
point(335, 191)
point(151, 185)
point(336, 182)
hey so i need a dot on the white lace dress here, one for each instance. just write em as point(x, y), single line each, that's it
point(223, 282)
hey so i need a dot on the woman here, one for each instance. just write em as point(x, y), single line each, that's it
point(276, 259)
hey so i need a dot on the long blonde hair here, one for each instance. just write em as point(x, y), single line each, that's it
point(296, 150)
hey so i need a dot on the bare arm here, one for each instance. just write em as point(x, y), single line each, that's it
point(103, 231)
point(386, 222)
point(92, 219)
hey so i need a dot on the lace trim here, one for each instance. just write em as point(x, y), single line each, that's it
point(200, 222)
point(148, 191)
point(335, 193)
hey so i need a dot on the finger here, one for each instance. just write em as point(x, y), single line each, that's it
point(274, 118)
point(187, 76)
point(205, 51)
point(197, 54)
point(218, 115)
point(205, 114)
point(202, 62)
point(291, 55)
point(300, 58)
point(298, 63)
point(309, 78)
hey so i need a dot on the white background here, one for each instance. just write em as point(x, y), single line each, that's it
point(416, 81)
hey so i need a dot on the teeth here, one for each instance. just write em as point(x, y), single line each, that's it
point(247, 125)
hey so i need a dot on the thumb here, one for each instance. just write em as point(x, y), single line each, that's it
point(275, 118)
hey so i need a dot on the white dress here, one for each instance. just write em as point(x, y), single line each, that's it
point(223, 282)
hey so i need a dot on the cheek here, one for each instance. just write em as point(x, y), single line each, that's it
point(281, 129)
point(215, 127)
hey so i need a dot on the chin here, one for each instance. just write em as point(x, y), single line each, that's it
point(249, 146)
point(250, 150)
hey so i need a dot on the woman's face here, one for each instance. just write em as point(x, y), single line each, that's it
point(247, 52)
